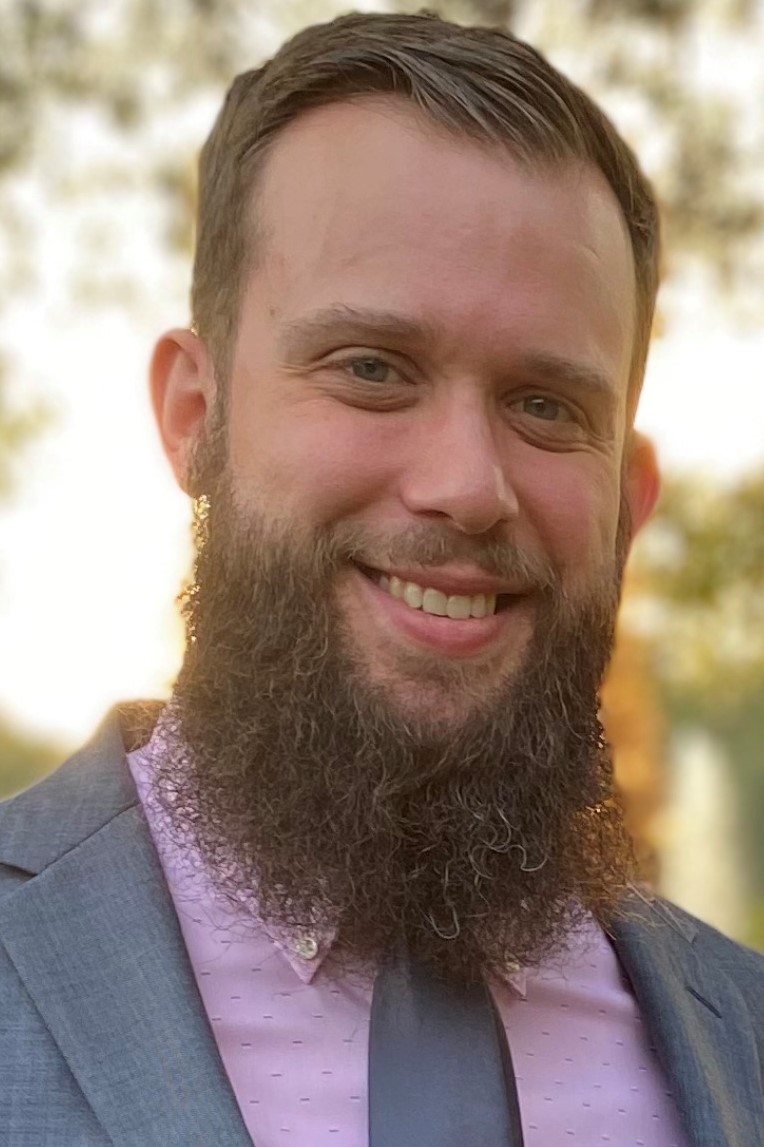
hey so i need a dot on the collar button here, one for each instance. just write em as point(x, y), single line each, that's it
point(307, 947)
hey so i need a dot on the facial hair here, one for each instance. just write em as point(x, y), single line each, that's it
point(314, 798)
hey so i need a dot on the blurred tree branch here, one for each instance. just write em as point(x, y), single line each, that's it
point(700, 570)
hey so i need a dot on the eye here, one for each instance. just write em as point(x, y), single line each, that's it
point(368, 368)
point(547, 409)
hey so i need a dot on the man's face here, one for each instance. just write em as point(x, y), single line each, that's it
point(434, 350)
point(429, 383)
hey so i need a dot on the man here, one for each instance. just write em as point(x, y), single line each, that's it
point(376, 815)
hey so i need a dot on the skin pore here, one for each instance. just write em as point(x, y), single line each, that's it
point(430, 375)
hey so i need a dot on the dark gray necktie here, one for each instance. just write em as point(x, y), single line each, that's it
point(440, 1072)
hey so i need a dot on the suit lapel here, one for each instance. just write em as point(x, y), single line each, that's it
point(96, 941)
point(701, 1029)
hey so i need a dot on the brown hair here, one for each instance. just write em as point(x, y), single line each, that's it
point(475, 81)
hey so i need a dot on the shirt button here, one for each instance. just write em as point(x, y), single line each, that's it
point(307, 947)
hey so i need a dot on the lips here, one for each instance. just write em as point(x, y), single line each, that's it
point(444, 635)
point(443, 583)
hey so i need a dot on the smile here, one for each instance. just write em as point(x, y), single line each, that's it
point(458, 625)
point(458, 607)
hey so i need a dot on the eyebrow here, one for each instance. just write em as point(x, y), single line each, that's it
point(544, 367)
point(352, 324)
point(349, 323)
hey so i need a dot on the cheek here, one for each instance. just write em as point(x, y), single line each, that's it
point(571, 506)
point(311, 460)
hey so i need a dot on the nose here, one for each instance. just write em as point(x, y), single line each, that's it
point(457, 469)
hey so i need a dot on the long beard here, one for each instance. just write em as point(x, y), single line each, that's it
point(314, 799)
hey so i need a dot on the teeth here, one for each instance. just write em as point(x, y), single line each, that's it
point(479, 606)
point(412, 595)
point(458, 606)
point(396, 586)
point(436, 602)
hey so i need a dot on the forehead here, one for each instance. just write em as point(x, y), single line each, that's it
point(368, 203)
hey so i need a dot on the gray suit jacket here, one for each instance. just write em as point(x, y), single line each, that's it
point(103, 1039)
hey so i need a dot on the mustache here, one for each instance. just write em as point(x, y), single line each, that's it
point(425, 545)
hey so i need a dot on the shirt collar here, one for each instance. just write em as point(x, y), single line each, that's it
point(306, 952)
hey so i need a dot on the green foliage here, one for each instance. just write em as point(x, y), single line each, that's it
point(23, 758)
point(83, 51)
point(701, 562)
point(664, 14)
point(719, 537)
point(701, 566)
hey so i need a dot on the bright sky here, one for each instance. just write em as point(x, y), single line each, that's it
point(97, 542)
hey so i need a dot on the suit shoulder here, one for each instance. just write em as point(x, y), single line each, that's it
point(733, 952)
point(707, 936)
point(717, 951)
point(42, 823)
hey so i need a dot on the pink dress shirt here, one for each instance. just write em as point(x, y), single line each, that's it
point(293, 1034)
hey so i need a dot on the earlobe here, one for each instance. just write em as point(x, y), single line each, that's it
point(642, 480)
point(182, 392)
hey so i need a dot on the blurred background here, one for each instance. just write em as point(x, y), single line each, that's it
point(103, 107)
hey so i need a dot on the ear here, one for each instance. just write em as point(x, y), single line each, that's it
point(182, 394)
point(642, 481)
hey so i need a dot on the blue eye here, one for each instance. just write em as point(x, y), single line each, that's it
point(546, 408)
point(369, 369)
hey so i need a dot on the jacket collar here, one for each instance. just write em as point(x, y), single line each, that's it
point(96, 942)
